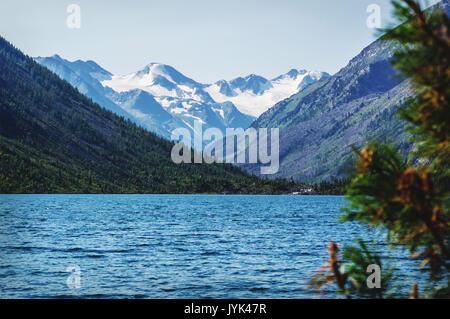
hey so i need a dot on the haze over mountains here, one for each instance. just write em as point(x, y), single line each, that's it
point(160, 98)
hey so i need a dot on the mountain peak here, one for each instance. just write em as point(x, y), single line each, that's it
point(150, 68)
point(155, 70)
point(54, 56)
point(253, 76)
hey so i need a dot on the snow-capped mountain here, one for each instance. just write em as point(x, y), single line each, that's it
point(255, 94)
point(157, 79)
point(160, 98)
point(85, 76)
point(181, 96)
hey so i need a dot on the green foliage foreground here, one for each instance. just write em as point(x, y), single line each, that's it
point(409, 201)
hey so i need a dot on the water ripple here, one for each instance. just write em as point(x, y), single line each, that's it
point(166, 246)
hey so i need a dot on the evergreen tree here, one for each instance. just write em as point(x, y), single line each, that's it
point(408, 200)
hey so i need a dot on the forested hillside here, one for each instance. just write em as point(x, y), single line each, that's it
point(55, 140)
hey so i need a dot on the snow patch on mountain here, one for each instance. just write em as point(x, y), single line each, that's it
point(160, 98)
point(254, 94)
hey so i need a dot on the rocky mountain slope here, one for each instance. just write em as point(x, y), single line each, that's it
point(320, 124)
point(160, 98)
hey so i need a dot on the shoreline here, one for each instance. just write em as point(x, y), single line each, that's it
point(184, 194)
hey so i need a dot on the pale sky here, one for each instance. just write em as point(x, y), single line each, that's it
point(207, 40)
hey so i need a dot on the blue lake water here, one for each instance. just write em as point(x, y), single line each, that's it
point(167, 246)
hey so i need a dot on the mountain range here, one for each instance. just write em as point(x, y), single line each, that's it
point(321, 117)
point(319, 123)
point(255, 94)
point(160, 98)
point(53, 139)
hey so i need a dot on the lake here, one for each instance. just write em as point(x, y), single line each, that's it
point(167, 246)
